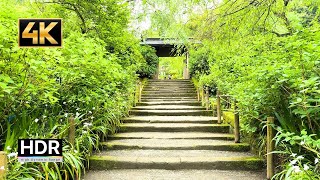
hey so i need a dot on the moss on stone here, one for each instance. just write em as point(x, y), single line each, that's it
point(243, 163)
point(102, 162)
point(228, 117)
point(228, 163)
point(254, 163)
point(241, 147)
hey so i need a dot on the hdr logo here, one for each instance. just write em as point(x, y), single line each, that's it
point(40, 32)
point(40, 150)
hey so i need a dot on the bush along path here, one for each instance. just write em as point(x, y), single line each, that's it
point(78, 93)
point(170, 135)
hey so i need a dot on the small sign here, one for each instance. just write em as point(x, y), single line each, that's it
point(40, 32)
point(40, 150)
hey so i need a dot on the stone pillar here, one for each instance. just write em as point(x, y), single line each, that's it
point(186, 67)
point(187, 72)
point(156, 75)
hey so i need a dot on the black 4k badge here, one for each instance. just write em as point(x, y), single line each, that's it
point(40, 32)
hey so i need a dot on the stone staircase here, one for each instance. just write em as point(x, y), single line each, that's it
point(169, 131)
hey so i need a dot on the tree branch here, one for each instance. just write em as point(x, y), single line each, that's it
point(74, 8)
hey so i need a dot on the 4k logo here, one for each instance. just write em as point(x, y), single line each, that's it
point(40, 32)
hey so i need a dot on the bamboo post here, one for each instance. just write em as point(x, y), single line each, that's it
point(202, 97)
point(140, 91)
point(3, 164)
point(270, 148)
point(214, 108)
point(207, 98)
point(134, 99)
point(72, 131)
point(134, 96)
point(198, 93)
point(218, 107)
point(236, 124)
point(227, 98)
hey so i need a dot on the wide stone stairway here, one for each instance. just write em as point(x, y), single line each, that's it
point(169, 135)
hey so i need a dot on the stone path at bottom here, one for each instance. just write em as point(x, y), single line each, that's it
point(160, 174)
point(169, 135)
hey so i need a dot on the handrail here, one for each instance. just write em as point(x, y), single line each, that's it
point(219, 107)
point(270, 147)
point(207, 98)
point(219, 97)
point(270, 122)
point(203, 94)
point(137, 94)
point(236, 123)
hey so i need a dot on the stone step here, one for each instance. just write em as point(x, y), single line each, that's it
point(174, 163)
point(170, 130)
point(171, 119)
point(169, 80)
point(173, 153)
point(161, 174)
point(174, 127)
point(167, 99)
point(168, 86)
point(169, 107)
point(189, 103)
point(173, 93)
point(175, 144)
point(169, 91)
point(170, 112)
point(172, 98)
point(172, 135)
point(159, 94)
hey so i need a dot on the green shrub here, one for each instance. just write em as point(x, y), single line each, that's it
point(267, 57)
point(149, 68)
point(173, 66)
point(42, 88)
point(199, 64)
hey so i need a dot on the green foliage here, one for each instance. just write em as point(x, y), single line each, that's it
point(263, 53)
point(302, 166)
point(92, 79)
point(172, 66)
point(270, 70)
point(149, 68)
point(198, 63)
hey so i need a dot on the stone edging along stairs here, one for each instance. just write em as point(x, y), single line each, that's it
point(170, 130)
